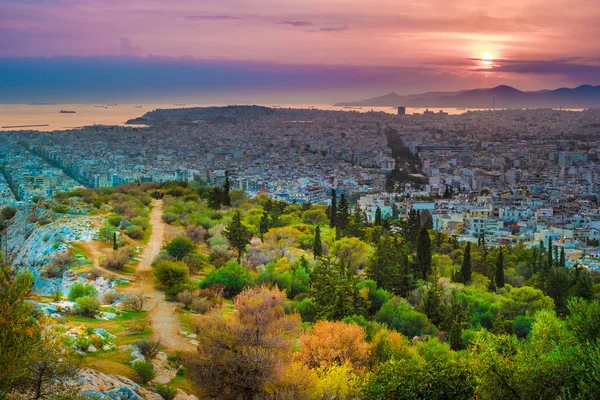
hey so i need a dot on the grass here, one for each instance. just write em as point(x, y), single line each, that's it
point(118, 326)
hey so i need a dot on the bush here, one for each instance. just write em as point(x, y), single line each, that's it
point(180, 247)
point(80, 289)
point(110, 297)
point(60, 209)
point(171, 273)
point(135, 232)
point(233, 276)
point(117, 260)
point(201, 305)
point(144, 370)
point(196, 233)
point(169, 218)
point(88, 306)
point(166, 392)
point(148, 348)
point(115, 220)
point(133, 302)
point(57, 295)
point(186, 298)
point(107, 233)
point(7, 213)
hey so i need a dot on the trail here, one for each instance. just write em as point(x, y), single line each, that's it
point(163, 319)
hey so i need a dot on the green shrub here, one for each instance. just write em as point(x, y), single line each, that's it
point(107, 233)
point(180, 247)
point(60, 209)
point(169, 218)
point(115, 220)
point(144, 370)
point(166, 392)
point(404, 319)
point(233, 276)
point(134, 232)
point(88, 306)
point(171, 273)
point(80, 289)
point(57, 295)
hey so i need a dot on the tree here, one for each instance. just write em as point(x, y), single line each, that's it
point(433, 305)
point(333, 209)
point(343, 215)
point(466, 270)
point(389, 267)
point(352, 251)
point(242, 355)
point(180, 247)
point(329, 343)
point(53, 367)
point(378, 216)
point(226, 187)
point(423, 259)
point(500, 270)
point(562, 262)
point(317, 245)
point(411, 228)
point(215, 197)
point(264, 225)
point(238, 235)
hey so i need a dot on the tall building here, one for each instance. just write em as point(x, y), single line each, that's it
point(401, 110)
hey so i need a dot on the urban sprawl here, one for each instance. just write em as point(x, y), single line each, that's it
point(515, 176)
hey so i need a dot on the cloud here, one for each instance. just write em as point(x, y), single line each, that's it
point(213, 17)
point(297, 24)
point(560, 66)
point(130, 49)
point(334, 28)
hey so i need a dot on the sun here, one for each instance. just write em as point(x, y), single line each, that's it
point(487, 60)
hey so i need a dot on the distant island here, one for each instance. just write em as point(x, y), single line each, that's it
point(502, 96)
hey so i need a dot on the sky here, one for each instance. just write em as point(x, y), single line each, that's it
point(292, 50)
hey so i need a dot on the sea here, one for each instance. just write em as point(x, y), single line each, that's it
point(48, 117)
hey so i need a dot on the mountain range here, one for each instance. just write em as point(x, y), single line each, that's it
point(585, 96)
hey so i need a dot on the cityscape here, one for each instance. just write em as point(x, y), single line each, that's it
point(301, 200)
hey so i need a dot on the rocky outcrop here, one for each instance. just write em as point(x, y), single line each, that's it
point(112, 387)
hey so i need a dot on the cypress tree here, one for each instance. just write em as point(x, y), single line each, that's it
point(562, 262)
point(263, 227)
point(465, 268)
point(500, 270)
point(378, 216)
point(115, 245)
point(549, 263)
point(226, 188)
point(343, 214)
point(318, 246)
point(333, 209)
point(423, 261)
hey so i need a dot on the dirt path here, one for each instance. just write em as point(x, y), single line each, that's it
point(97, 250)
point(163, 319)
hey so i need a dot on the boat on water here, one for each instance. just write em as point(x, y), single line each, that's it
point(67, 112)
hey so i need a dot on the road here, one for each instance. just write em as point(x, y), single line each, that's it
point(163, 318)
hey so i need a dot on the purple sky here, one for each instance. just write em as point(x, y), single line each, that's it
point(388, 45)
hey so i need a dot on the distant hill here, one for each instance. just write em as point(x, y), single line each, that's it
point(503, 96)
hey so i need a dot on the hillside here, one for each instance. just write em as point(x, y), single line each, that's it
point(502, 96)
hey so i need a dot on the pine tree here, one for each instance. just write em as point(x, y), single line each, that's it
point(333, 209)
point(378, 216)
point(343, 215)
point(317, 245)
point(499, 281)
point(465, 268)
point(264, 224)
point(423, 259)
point(226, 188)
point(238, 235)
